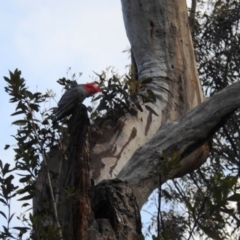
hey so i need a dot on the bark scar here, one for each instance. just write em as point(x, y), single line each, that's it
point(152, 28)
point(149, 121)
point(131, 137)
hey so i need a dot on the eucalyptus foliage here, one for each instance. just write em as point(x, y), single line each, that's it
point(36, 139)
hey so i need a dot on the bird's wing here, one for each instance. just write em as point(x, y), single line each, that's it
point(70, 96)
point(67, 102)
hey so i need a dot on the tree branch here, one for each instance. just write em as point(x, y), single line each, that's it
point(163, 51)
point(192, 15)
point(181, 137)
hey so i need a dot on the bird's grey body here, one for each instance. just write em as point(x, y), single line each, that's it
point(73, 97)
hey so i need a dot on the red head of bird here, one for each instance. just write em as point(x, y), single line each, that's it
point(92, 88)
point(73, 97)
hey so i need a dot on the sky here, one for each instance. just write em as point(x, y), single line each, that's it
point(44, 39)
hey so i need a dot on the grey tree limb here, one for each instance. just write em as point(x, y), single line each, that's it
point(182, 136)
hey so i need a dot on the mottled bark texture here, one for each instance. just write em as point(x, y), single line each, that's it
point(180, 138)
point(159, 34)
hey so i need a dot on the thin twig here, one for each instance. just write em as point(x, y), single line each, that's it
point(159, 215)
point(197, 218)
point(60, 147)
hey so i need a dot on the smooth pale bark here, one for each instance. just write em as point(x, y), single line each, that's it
point(160, 38)
point(180, 137)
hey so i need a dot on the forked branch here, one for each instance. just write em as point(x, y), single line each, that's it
point(180, 137)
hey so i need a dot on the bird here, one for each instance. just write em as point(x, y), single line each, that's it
point(74, 96)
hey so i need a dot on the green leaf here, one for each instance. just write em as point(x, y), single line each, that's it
point(151, 110)
point(26, 198)
point(25, 179)
point(25, 204)
point(9, 179)
point(5, 169)
point(211, 233)
point(166, 194)
point(22, 106)
point(228, 211)
point(35, 107)
point(6, 146)
point(16, 113)
point(235, 197)
point(62, 81)
point(20, 122)
point(22, 229)
point(98, 97)
point(3, 201)
point(9, 220)
point(27, 188)
point(7, 79)
point(7, 233)
point(45, 122)
point(37, 94)
point(3, 214)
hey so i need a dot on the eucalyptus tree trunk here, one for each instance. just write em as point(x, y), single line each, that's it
point(135, 148)
point(161, 43)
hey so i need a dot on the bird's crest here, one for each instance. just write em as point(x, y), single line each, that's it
point(92, 88)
